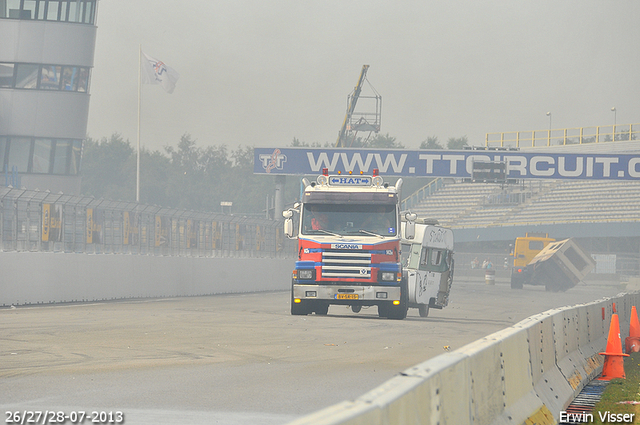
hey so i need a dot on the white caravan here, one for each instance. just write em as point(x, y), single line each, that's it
point(427, 262)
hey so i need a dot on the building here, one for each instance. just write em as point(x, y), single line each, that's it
point(46, 58)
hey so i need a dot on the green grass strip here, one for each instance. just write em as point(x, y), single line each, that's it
point(619, 391)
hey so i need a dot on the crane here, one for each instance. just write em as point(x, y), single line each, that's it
point(354, 122)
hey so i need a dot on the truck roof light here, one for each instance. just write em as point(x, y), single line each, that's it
point(350, 172)
point(325, 171)
point(376, 172)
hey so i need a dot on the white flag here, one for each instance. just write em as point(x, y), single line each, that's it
point(156, 72)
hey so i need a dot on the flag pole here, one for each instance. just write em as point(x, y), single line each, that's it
point(138, 145)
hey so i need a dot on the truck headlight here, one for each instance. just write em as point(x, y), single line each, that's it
point(388, 276)
point(307, 274)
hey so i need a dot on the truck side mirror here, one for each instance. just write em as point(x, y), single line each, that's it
point(409, 229)
point(288, 227)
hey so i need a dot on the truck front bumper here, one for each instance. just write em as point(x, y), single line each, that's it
point(347, 294)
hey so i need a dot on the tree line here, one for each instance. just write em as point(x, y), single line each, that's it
point(200, 178)
point(380, 141)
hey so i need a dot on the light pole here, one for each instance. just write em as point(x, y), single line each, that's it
point(615, 117)
point(549, 133)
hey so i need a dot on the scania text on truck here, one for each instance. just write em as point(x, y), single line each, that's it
point(349, 246)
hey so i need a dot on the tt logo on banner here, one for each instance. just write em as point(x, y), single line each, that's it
point(273, 161)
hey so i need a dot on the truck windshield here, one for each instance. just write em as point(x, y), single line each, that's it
point(356, 219)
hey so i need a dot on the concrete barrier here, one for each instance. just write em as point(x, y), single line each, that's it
point(40, 277)
point(527, 373)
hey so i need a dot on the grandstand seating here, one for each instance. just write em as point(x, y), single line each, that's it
point(462, 205)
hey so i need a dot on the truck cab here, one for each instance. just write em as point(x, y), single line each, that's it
point(348, 246)
point(524, 250)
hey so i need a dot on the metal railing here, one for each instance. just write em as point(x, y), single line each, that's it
point(31, 220)
point(421, 194)
point(563, 136)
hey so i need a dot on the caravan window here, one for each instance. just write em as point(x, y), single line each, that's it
point(434, 260)
point(436, 257)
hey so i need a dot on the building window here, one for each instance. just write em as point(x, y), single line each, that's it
point(51, 77)
point(89, 12)
point(10, 9)
point(29, 10)
point(76, 155)
point(76, 11)
point(6, 74)
point(27, 76)
point(74, 78)
point(83, 80)
point(41, 156)
point(53, 11)
point(61, 156)
point(64, 9)
point(42, 6)
point(19, 153)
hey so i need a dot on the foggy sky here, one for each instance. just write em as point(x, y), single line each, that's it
point(260, 73)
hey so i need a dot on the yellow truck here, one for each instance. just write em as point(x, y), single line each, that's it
point(541, 260)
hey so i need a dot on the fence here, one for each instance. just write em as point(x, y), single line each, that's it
point(563, 136)
point(31, 220)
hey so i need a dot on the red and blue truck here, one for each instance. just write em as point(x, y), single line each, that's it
point(349, 233)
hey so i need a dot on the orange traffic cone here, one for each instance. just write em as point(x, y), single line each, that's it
point(634, 323)
point(613, 360)
point(632, 342)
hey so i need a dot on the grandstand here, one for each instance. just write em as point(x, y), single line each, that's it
point(463, 205)
point(603, 214)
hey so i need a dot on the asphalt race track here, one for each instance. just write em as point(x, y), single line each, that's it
point(235, 359)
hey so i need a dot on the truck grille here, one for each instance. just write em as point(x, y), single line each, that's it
point(346, 263)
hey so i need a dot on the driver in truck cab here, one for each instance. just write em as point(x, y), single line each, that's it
point(319, 221)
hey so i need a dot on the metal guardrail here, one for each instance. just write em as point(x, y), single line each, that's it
point(31, 220)
point(563, 136)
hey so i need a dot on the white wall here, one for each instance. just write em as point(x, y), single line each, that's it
point(38, 277)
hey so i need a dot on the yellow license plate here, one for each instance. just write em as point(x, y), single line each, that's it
point(347, 296)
